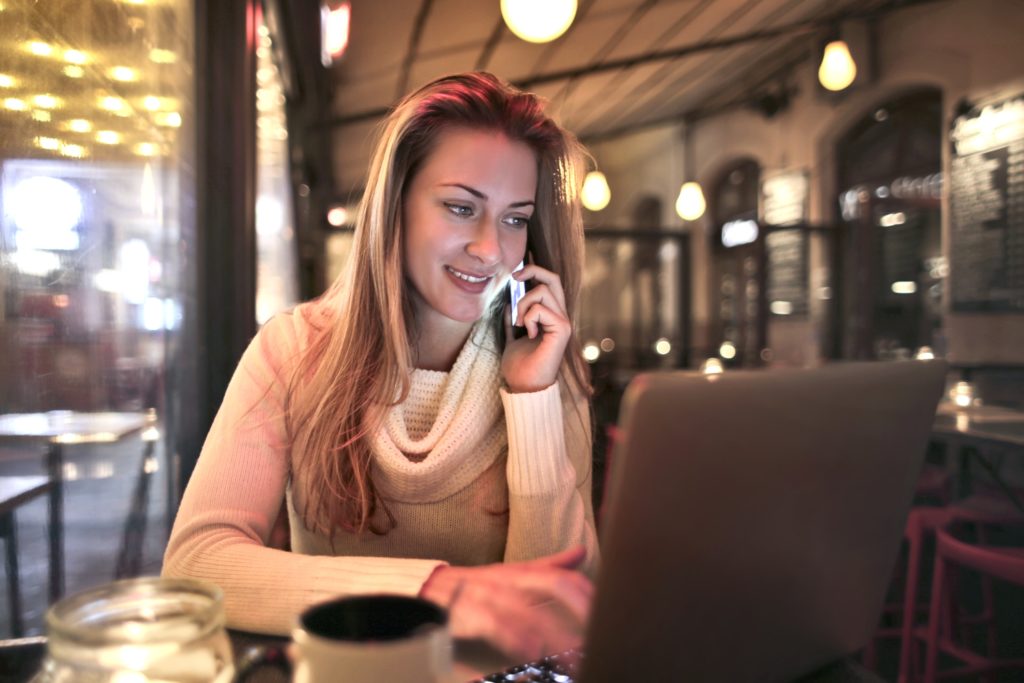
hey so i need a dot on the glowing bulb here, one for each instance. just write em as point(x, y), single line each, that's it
point(108, 137)
point(337, 216)
point(712, 366)
point(596, 193)
point(538, 21)
point(591, 352)
point(690, 203)
point(727, 350)
point(837, 69)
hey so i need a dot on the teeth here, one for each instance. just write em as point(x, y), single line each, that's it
point(467, 278)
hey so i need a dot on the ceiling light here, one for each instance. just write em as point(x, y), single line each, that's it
point(151, 103)
point(690, 203)
point(14, 104)
point(74, 71)
point(108, 137)
point(6, 81)
point(596, 194)
point(112, 104)
point(538, 21)
point(335, 23)
point(837, 69)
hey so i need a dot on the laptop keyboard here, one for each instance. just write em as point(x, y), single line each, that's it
point(559, 668)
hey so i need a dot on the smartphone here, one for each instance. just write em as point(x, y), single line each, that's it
point(516, 291)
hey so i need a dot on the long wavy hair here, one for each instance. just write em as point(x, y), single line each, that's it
point(359, 360)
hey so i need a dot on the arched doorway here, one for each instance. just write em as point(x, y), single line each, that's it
point(890, 266)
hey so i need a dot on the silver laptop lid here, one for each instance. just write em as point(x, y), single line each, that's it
point(753, 519)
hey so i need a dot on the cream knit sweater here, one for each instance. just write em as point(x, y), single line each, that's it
point(473, 474)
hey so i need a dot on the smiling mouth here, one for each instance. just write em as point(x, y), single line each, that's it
point(467, 277)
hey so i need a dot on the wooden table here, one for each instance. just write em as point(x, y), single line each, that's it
point(56, 429)
point(15, 492)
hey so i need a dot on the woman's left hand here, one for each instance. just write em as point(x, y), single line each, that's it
point(531, 363)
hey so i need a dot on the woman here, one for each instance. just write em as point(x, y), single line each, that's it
point(418, 445)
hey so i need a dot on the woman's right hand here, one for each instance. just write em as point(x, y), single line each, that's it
point(525, 609)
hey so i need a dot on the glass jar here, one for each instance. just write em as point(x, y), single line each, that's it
point(139, 631)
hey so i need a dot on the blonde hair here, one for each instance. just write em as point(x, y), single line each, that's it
point(358, 363)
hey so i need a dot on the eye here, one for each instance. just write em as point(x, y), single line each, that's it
point(462, 210)
point(517, 221)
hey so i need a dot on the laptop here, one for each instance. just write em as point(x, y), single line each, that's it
point(753, 519)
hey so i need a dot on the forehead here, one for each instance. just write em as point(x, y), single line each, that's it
point(471, 156)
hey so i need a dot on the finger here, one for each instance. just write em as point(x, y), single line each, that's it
point(540, 318)
point(543, 294)
point(570, 558)
point(544, 277)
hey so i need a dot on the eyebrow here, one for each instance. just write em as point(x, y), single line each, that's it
point(480, 195)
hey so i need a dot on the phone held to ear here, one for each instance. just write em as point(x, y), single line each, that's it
point(516, 291)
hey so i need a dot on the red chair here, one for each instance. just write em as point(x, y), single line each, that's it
point(979, 511)
point(1005, 564)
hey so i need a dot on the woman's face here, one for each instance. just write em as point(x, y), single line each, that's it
point(464, 215)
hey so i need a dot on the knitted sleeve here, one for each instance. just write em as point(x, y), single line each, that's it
point(235, 493)
point(549, 474)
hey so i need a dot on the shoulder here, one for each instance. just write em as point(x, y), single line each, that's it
point(283, 339)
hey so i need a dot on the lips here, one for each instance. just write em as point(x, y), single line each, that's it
point(468, 282)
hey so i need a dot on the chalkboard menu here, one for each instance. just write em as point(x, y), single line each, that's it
point(787, 271)
point(987, 208)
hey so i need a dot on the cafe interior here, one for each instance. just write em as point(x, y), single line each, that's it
point(772, 185)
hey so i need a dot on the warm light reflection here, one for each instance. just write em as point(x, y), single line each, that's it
point(39, 48)
point(46, 101)
point(161, 56)
point(170, 119)
point(73, 151)
point(42, 116)
point(663, 347)
point(74, 71)
point(591, 352)
point(145, 149)
point(904, 287)
point(75, 57)
point(607, 344)
point(962, 394)
point(337, 216)
point(108, 137)
point(7, 81)
point(14, 104)
point(113, 104)
point(79, 125)
point(151, 103)
point(125, 74)
point(43, 142)
point(712, 366)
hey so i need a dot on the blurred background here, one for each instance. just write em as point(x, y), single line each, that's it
point(778, 183)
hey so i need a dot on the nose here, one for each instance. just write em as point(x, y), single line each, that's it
point(485, 243)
